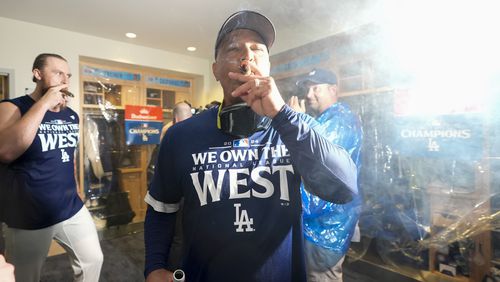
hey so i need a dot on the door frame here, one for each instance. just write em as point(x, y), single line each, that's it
point(10, 74)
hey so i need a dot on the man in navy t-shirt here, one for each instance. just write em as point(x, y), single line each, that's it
point(38, 138)
point(239, 168)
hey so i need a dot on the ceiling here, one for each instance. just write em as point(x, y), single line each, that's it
point(176, 24)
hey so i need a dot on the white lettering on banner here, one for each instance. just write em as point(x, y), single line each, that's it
point(448, 133)
point(242, 219)
point(144, 131)
point(143, 117)
point(237, 184)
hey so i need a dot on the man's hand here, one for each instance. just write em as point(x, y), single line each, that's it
point(53, 97)
point(6, 271)
point(297, 105)
point(259, 92)
point(160, 275)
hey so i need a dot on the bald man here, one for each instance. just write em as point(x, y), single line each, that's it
point(182, 111)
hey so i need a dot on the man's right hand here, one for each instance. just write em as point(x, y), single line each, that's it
point(53, 97)
point(160, 275)
point(297, 105)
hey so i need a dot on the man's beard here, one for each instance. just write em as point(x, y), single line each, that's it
point(44, 90)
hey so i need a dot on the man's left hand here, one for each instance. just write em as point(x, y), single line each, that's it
point(297, 105)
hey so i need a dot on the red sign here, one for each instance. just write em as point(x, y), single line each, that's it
point(143, 113)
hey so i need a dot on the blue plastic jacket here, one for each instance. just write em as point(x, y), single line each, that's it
point(327, 224)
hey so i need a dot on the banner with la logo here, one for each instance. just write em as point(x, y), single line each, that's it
point(143, 125)
point(440, 129)
point(445, 136)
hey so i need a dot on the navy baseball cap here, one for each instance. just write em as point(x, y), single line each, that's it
point(318, 76)
point(248, 20)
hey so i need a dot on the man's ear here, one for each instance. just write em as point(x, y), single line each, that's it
point(37, 74)
point(214, 71)
point(333, 89)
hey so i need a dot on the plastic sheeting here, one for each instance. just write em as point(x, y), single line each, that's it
point(105, 151)
point(328, 225)
point(425, 210)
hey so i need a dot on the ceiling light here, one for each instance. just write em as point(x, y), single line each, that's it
point(191, 49)
point(130, 35)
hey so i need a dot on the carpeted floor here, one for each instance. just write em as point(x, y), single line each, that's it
point(124, 261)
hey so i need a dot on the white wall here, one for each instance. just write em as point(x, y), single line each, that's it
point(20, 42)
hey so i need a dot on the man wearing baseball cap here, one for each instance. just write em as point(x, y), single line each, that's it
point(325, 254)
point(238, 168)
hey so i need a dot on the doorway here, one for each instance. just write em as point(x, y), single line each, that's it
point(6, 84)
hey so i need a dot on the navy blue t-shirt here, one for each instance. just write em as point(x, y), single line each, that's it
point(45, 191)
point(242, 205)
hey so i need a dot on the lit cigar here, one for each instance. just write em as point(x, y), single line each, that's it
point(244, 68)
point(66, 93)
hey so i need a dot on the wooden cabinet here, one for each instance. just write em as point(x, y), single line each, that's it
point(131, 181)
point(100, 93)
point(106, 88)
point(163, 98)
point(111, 95)
point(132, 95)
